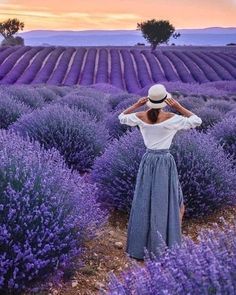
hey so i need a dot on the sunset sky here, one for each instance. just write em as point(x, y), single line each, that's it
point(122, 14)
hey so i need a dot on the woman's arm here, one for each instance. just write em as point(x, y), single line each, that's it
point(176, 105)
point(136, 105)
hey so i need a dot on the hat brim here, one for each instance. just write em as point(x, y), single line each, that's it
point(158, 105)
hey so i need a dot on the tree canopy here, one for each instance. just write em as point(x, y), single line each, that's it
point(10, 27)
point(157, 31)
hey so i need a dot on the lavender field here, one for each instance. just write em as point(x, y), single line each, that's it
point(67, 163)
point(127, 68)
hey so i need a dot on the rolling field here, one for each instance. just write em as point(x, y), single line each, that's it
point(127, 68)
point(68, 170)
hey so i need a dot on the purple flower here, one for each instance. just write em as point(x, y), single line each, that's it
point(47, 212)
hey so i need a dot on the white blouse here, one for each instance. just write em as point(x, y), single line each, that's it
point(160, 135)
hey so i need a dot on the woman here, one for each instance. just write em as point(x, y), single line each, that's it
point(158, 204)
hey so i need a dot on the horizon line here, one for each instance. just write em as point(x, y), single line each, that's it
point(231, 27)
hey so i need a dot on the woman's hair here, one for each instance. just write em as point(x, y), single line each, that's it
point(153, 115)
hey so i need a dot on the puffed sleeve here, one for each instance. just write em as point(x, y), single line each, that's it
point(128, 119)
point(182, 122)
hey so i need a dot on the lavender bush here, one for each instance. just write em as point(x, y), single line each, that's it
point(115, 171)
point(11, 110)
point(232, 113)
point(206, 89)
point(106, 88)
point(221, 105)
point(114, 100)
point(192, 102)
point(59, 90)
point(115, 129)
point(228, 86)
point(209, 116)
point(126, 103)
point(205, 172)
point(47, 212)
point(74, 133)
point(96, 109)
point(206, 267)
point(27, 95)
point(89, 91)
point(47, 94)
point(224, 132)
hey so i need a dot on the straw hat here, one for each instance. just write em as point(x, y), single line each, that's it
point(156, 96)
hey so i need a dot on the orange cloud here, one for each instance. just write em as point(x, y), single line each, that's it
point(122, 14)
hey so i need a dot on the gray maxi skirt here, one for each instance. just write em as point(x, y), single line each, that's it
point(155, 207)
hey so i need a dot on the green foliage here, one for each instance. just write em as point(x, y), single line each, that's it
point(12, 41)
point(157, 31)
point(10, 26)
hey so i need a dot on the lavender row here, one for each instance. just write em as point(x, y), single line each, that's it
point(184, 75)
point(88, 72)
point(46, 71)
point(230, 59)
point(210, 74)
point(130, 77)
point(196, 72)
point(143, 74)
point(35, 66)
point(75, 69)
point(10, 62)
point(224, 63)
point(20, 67)
point(127, 69)
point(169, 72)
point(157, 73)
point(102, 69)
point(221, 72)
point(6, 53)
point(60, 71)
point(116, 77)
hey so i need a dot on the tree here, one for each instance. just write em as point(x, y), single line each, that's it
point(12, 41)
point(10, 27)
point(157, 31)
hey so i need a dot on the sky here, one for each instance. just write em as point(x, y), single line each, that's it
point(118, 14)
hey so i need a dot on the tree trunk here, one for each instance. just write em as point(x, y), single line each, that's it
point(154, 46)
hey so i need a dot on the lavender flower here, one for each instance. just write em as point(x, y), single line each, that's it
point(206, 267)
point(74, 133)
point(47, 212)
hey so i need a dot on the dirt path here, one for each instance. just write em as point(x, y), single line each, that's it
point(106, 253)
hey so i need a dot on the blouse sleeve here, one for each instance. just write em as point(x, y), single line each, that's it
point(128, 119)
point(182, 122)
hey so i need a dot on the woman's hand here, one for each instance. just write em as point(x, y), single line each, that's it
point(176, 105)
point(141, 101)
point(173, 103)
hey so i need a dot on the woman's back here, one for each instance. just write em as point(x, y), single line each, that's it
point(160, 135)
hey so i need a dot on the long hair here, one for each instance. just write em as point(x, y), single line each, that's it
point(153, 115)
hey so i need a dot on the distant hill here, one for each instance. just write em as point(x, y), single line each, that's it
point(216, 36)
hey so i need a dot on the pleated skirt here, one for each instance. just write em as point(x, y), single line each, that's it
point(155, 206)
